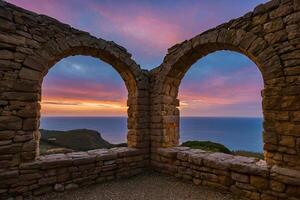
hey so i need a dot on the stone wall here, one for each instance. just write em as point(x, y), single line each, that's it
point(59, 172)
point(270, 37)
point(247, 177)
point(30, 44)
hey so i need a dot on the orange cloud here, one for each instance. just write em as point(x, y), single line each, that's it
point(73, 107)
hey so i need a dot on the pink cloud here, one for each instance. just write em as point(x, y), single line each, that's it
point(53, 8)
point(238, 83)
point(90, 93)
point(237, 94)
point(146, 29)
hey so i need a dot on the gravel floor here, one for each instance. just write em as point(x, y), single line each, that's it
point(147, 186)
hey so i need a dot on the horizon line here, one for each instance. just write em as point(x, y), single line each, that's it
point(76, 116)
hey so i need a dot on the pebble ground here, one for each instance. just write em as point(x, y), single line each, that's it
point(147, 186)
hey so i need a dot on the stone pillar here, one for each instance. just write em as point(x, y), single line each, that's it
point(281, 126)
point(138, 115)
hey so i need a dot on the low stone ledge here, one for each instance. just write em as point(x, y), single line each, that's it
point(126, 151)
point(58, 172)
point(168, 152)
point(103, 154)
point(217, 160)
point(285, 175)
point(246, 176)
point(251, 166)
point(55, 160)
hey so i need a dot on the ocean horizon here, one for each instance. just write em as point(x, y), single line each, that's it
point(236, 133)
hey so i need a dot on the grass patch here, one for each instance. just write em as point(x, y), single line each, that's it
point(217, 147)
point(75, 140)
point(249, 154)
point(206, 146)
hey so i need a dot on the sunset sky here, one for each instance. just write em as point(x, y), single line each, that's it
point(221, 84)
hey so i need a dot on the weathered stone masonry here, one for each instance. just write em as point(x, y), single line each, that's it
point(270, 37)
point(30, 44)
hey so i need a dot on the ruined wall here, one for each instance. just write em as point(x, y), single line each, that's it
point(60, 172)
point(30, 44)
point(270, 37)
point(248, 177)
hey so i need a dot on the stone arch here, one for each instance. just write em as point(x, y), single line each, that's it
point(32, 44)
point(181, 57)
point(51, 52)
point(36, 66)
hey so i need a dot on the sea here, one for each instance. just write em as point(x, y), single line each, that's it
point(236, 133)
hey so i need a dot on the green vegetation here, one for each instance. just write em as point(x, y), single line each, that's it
point(206, 146)
point(217, 147)
point(249, 154)
point(73, 140)
point(84, 139)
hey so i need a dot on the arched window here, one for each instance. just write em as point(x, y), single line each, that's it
point(220, 101)
point(83, 106)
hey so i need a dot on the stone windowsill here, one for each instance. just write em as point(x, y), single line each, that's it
point(227, 162)
point(77, 158)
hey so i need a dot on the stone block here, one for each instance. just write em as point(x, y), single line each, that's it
point(12, 39)
point(285, 175)
point(292, 18)
point(296, 5)
point(29, 74)
point(245, 186)
point(276, 37)
point(281, 11)
point(5, 54)
point(7, 135)
point(23, 138)
point(4, 13)
point(167, 152)
point(34, 63)
point(84, 160)
point(259, 182)
point(277, 186)
point(274, 25)
point(288, 141)
point(30, 124)
point(293, 191)
point(48, 164)
point(243, 178)
point(10, 149)
point(71, 186)
point(29, 146)
point(9, 174)
point(59, 187)
point(42, 190)
point(31, 176)
point(10, 123)
point(47, 181)
point(20, 96)
point(18, 189)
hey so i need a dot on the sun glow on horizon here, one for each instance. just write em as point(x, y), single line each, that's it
point(83, 108)
point(83, 86)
